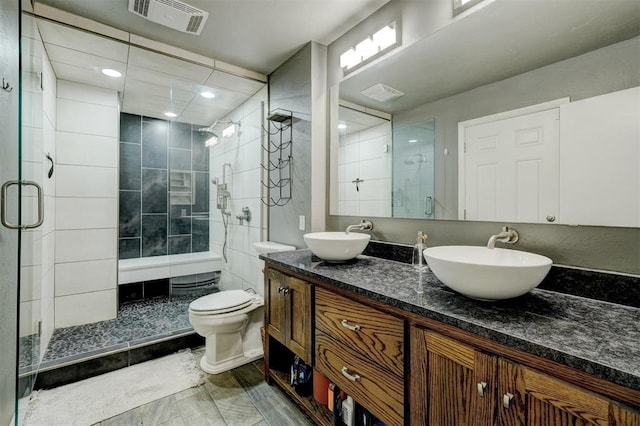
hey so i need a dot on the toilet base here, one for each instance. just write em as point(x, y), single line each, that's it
point(230, 363)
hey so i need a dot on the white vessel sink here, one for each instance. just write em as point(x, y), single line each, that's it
point(263, 247)
point(336, 246)
point(484, 274)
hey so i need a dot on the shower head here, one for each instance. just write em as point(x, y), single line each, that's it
point(212, 136)
point(207, 131)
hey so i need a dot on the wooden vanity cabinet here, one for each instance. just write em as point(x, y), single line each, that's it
point(455, 384)
point(528, 397)
point(451, 383)
point(288, 312)
point(361, 349)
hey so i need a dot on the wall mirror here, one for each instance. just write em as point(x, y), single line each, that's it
point(506, 60)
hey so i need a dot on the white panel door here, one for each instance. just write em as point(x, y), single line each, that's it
point(600, 157)
point(511, 168)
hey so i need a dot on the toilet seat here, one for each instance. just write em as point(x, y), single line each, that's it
point(222, 302)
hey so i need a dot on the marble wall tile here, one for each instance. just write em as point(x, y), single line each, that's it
point(200, 234)
point(130, 292)
point(130, 128)
point(130, 211)
point(180, 244)
point(129, 248)
point(129, 166)
point(201, 183)
point(84, 370)
point(178, 223)
point(154, 191)
point(157, 288)
point(179, 159)
point(200, 154)
point(154, 143)
point(180, 135)
point(149, 150)
point(154, 235)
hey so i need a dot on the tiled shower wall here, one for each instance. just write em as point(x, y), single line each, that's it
point(366, 155)
point(243, 151)
point(86, 204)
point(164, 188)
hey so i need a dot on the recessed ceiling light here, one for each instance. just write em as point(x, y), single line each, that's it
point(111, 73)
point(170, 114)
point(208, 95)
point(413, 140)
point(342, 126)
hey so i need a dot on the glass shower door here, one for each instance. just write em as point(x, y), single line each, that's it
point(32, 164)
point(9, 172)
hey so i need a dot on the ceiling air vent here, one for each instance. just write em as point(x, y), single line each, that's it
point(382, 93)
point(171, 13)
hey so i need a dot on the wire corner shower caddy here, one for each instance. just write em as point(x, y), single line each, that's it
point(278, 157)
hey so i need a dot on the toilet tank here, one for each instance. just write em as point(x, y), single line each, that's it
point(263, 247)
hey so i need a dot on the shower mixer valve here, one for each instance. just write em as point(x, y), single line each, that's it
point(246, 215)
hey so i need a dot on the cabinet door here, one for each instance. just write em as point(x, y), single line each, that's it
point(298, 301)
point(452, 384)
point(275, 314)
point(530, 398)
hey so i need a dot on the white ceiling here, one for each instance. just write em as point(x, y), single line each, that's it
point(503, 39)
point(255, 34)
point(152, 83)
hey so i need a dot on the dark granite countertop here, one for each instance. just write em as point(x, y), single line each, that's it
point(599, 338)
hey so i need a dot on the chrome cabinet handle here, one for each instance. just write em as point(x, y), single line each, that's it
point(346, 325)
point(506, 400)
point(3, 202)
point(348, 375)
point(482, 388)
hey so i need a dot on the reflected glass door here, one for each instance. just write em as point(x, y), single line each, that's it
point(414, 170)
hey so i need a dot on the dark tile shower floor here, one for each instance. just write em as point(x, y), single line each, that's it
point(138, 324)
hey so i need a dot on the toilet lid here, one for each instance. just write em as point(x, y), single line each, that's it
point(223, 301)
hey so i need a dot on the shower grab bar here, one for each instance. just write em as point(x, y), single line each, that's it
point(3, 202)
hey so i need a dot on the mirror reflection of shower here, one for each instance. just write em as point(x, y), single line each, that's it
point(222, 203)
point(228, 131)
point(413, 169)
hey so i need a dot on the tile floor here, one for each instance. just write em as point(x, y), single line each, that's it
point(238, 397)
point(137, 322)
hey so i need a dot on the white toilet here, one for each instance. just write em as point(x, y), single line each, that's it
point(230, 322)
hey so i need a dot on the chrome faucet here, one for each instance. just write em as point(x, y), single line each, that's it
point(364, 225)
point(508, 236)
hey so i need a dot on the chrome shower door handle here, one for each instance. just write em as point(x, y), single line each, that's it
point(3, 202)
point(428, 205)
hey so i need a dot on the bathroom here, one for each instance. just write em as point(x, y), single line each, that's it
point(301, 81)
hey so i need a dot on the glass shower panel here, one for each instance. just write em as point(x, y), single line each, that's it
point(413, 170)
point(33, 165)
point(9, 172)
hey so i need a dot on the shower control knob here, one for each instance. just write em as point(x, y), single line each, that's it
point(551, 218)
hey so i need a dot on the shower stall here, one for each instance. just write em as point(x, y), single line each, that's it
point(43, 270)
